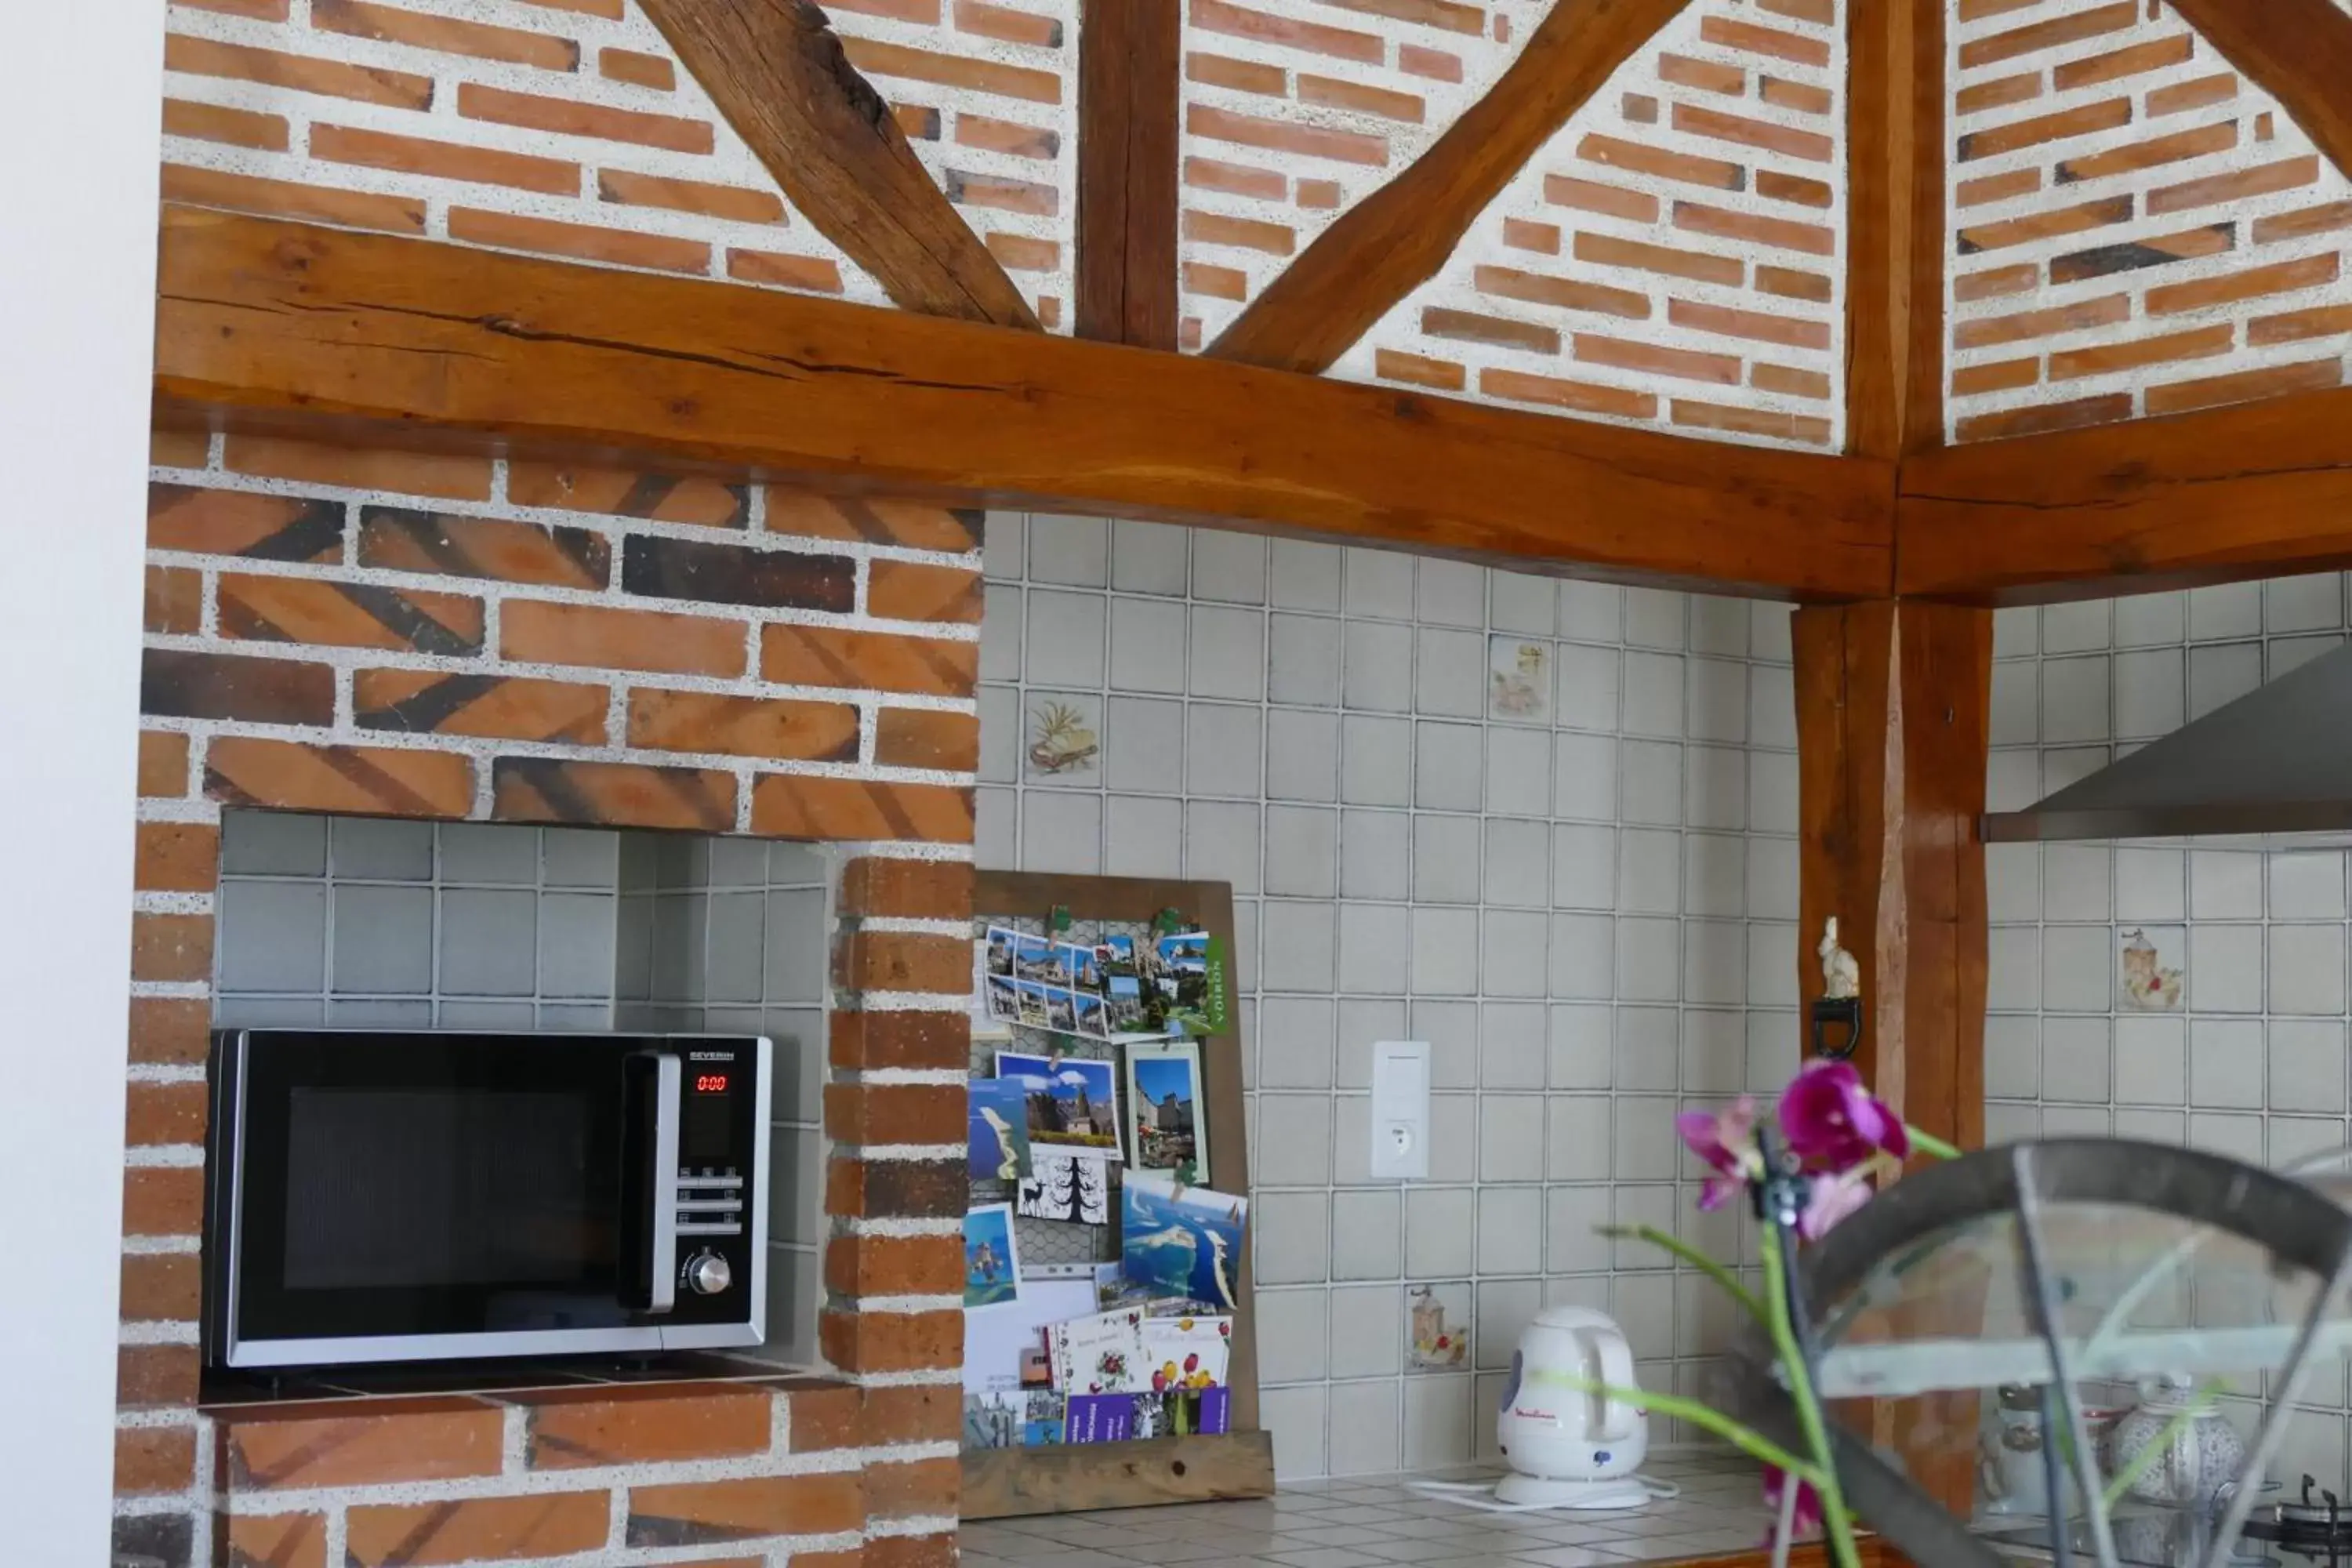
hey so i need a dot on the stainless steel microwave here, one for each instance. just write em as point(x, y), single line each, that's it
point(377, 1195)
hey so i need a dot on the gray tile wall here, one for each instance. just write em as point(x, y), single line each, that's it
point(2252, 1061)
point(1589, 911)
point(361, 922)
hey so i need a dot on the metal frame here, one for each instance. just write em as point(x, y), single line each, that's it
point(2297, 1225)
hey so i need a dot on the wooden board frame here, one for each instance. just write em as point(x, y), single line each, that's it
point(1004, 1483)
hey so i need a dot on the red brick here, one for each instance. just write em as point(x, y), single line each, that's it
point(1983, 331)
point(887, 884)
point(570, 116)
point(616, 794)
point(1281, 136)
point(445, 35)
point(1706, 74)
point(364, 780)
point(1566, 293)
point(1773, 186)
point(1693, 120)
point(162, 1200)
point(2000, 376)
point(1680, 166)
point(2245, 387)
point(506, 707)
point(1755, 40)
point(296, 73)
point(158, 1114)
point(2306, 272)
point(1417, 370)
point(656, 71)
point(1751, 421)
point(154, 1459)
point(1994, 282)
point(581, 1428)
point(1780, 234)
point(1005, 136)
point(1762, 326)
point(917, 1488)
point(873, 1040)
point(345, 1443)
point(2041, 36)
point(1406, 107)
point(1434, 64)
point(1541, 237)
point(412, 1535)
point(922, 1551)
point(911, 1413)
point(290, 198)
point(2325, 219)
point(171, 947)
point(911, 591)
point(2102, 358)
point(508, 231)
point(1469, 326)
point(1789, 381)
point(1579, 396)
point(1237, 21)
point(1007, 25)
point(2199, 141)
point(742, 726)
point(156, 1374)
point(538, 632)
point(1241, 233)
point(1607, 251)
point(443, 160)
point(859, 1266)
point(1215, 282)
point(896, 1189)
point(174, 1030)
point(2286, 174)
point(903, 960)
point(2135, 60)
point(979, 74)
point(892, 1341)
point(2323, 322)
point(696, 1512)
point(927, 738)
point(231, 127)
point(1998, 187)
point(1997, 93)
point(1782, 93)
point(1586, 196)
point(2046, 225)
point(1651, 360)
point(2103, 410)
point(1242, 76)
point(175, 600)
point(879, 661)
point(275, 1540)
point(447, 474)
point(348, 615)
point(811, 274)
point(2086, 120)
point(1792, 283)
point(2181, 97)
point(162, 1287)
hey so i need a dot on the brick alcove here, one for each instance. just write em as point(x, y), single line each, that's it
point(458, 638)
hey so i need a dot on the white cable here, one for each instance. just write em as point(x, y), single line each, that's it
point(1484, 1499)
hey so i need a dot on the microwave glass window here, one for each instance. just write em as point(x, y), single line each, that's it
point(410, 1187)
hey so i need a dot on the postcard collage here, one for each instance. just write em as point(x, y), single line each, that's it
point(1101, 1127)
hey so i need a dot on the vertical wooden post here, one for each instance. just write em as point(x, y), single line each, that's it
point(1896, 130)
point(1893, 699)
point(1128, 91)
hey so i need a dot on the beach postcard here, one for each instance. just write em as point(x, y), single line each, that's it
point(992, 1266)
point(998, 1130)
point(1182, 1241)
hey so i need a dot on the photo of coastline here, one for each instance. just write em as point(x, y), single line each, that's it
point(1184, 1242)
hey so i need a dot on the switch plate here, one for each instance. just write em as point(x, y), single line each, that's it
point(1400, 1111)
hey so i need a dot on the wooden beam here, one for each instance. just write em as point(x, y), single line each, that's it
point(2298, 51)
point(1129, 52)
point(354, 335)
point(1894, 703)
point(1894, 287)
point(1399, 236)
point(2256, 490)
point(776, 70)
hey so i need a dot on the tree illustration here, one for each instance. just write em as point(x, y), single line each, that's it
point(1094, 1197)
point(1061, 1177)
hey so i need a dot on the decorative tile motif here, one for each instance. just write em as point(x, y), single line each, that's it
point(2152, 969)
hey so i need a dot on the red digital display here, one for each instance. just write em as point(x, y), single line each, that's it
point(710, 1083)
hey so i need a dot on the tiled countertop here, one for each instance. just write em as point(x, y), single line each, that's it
point(1379, 1522)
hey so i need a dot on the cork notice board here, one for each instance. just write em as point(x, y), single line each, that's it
point(999, 1483)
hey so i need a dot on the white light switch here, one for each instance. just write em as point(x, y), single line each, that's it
point(1400, 1111)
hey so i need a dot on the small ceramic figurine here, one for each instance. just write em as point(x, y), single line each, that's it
point(1841, 976)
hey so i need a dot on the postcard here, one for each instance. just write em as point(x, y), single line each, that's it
point(1093, 1015)
point(1101, 1418)
point(1061, 1010)
point(1182, 1241)
point(1030, 1003)
point(1166, 1126)
point(1066, 1185)
point(1118, 1417)
point(998, 1343)
point(1073, 1101)
point(1098, 1354)
point(997, 1129)
point(1083, 966)
point(1187, 1353)
point(1004, 1002)
point(999, 949)
point(992, 1261)
point(992, 1419)
point(1032, 958)
point(1045, 1415)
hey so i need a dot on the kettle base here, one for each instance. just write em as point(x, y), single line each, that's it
point(1534, 1492)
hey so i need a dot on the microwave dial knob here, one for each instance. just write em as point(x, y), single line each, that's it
point(707, 1273)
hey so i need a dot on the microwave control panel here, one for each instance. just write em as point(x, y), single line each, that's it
point(716, 1163)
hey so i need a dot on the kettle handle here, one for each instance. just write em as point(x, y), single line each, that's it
point(1618, 1418)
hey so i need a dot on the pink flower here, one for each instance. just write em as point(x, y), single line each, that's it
point(1830, 1199)
point(1834, 1123)
point(1727, 1141)
point(1809, 1503)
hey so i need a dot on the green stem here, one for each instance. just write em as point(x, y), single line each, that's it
point(1840, 1524)
point(1753, 1444)
point(1927, 1144)
point(1694, 1257)
point(2152, 1450)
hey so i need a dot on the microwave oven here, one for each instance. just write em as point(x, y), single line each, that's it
point(383, 1195)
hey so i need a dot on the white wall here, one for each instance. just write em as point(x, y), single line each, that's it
point(1589, 911)
point(77, 140)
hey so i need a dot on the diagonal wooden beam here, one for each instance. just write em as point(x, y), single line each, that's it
point(1895, 205)
point(1398, 236)
point(1128, 91)
point(2298, 51)
point(2254, 489)
point(776, 70)
point(347, 336)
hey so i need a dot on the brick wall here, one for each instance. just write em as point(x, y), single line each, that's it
point(396, 634)
point(2138, 230)
point(1292, 113)
point(570, 130)
point(1674, 256)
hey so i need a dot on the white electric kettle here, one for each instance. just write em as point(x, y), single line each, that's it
point(1571, 1447)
